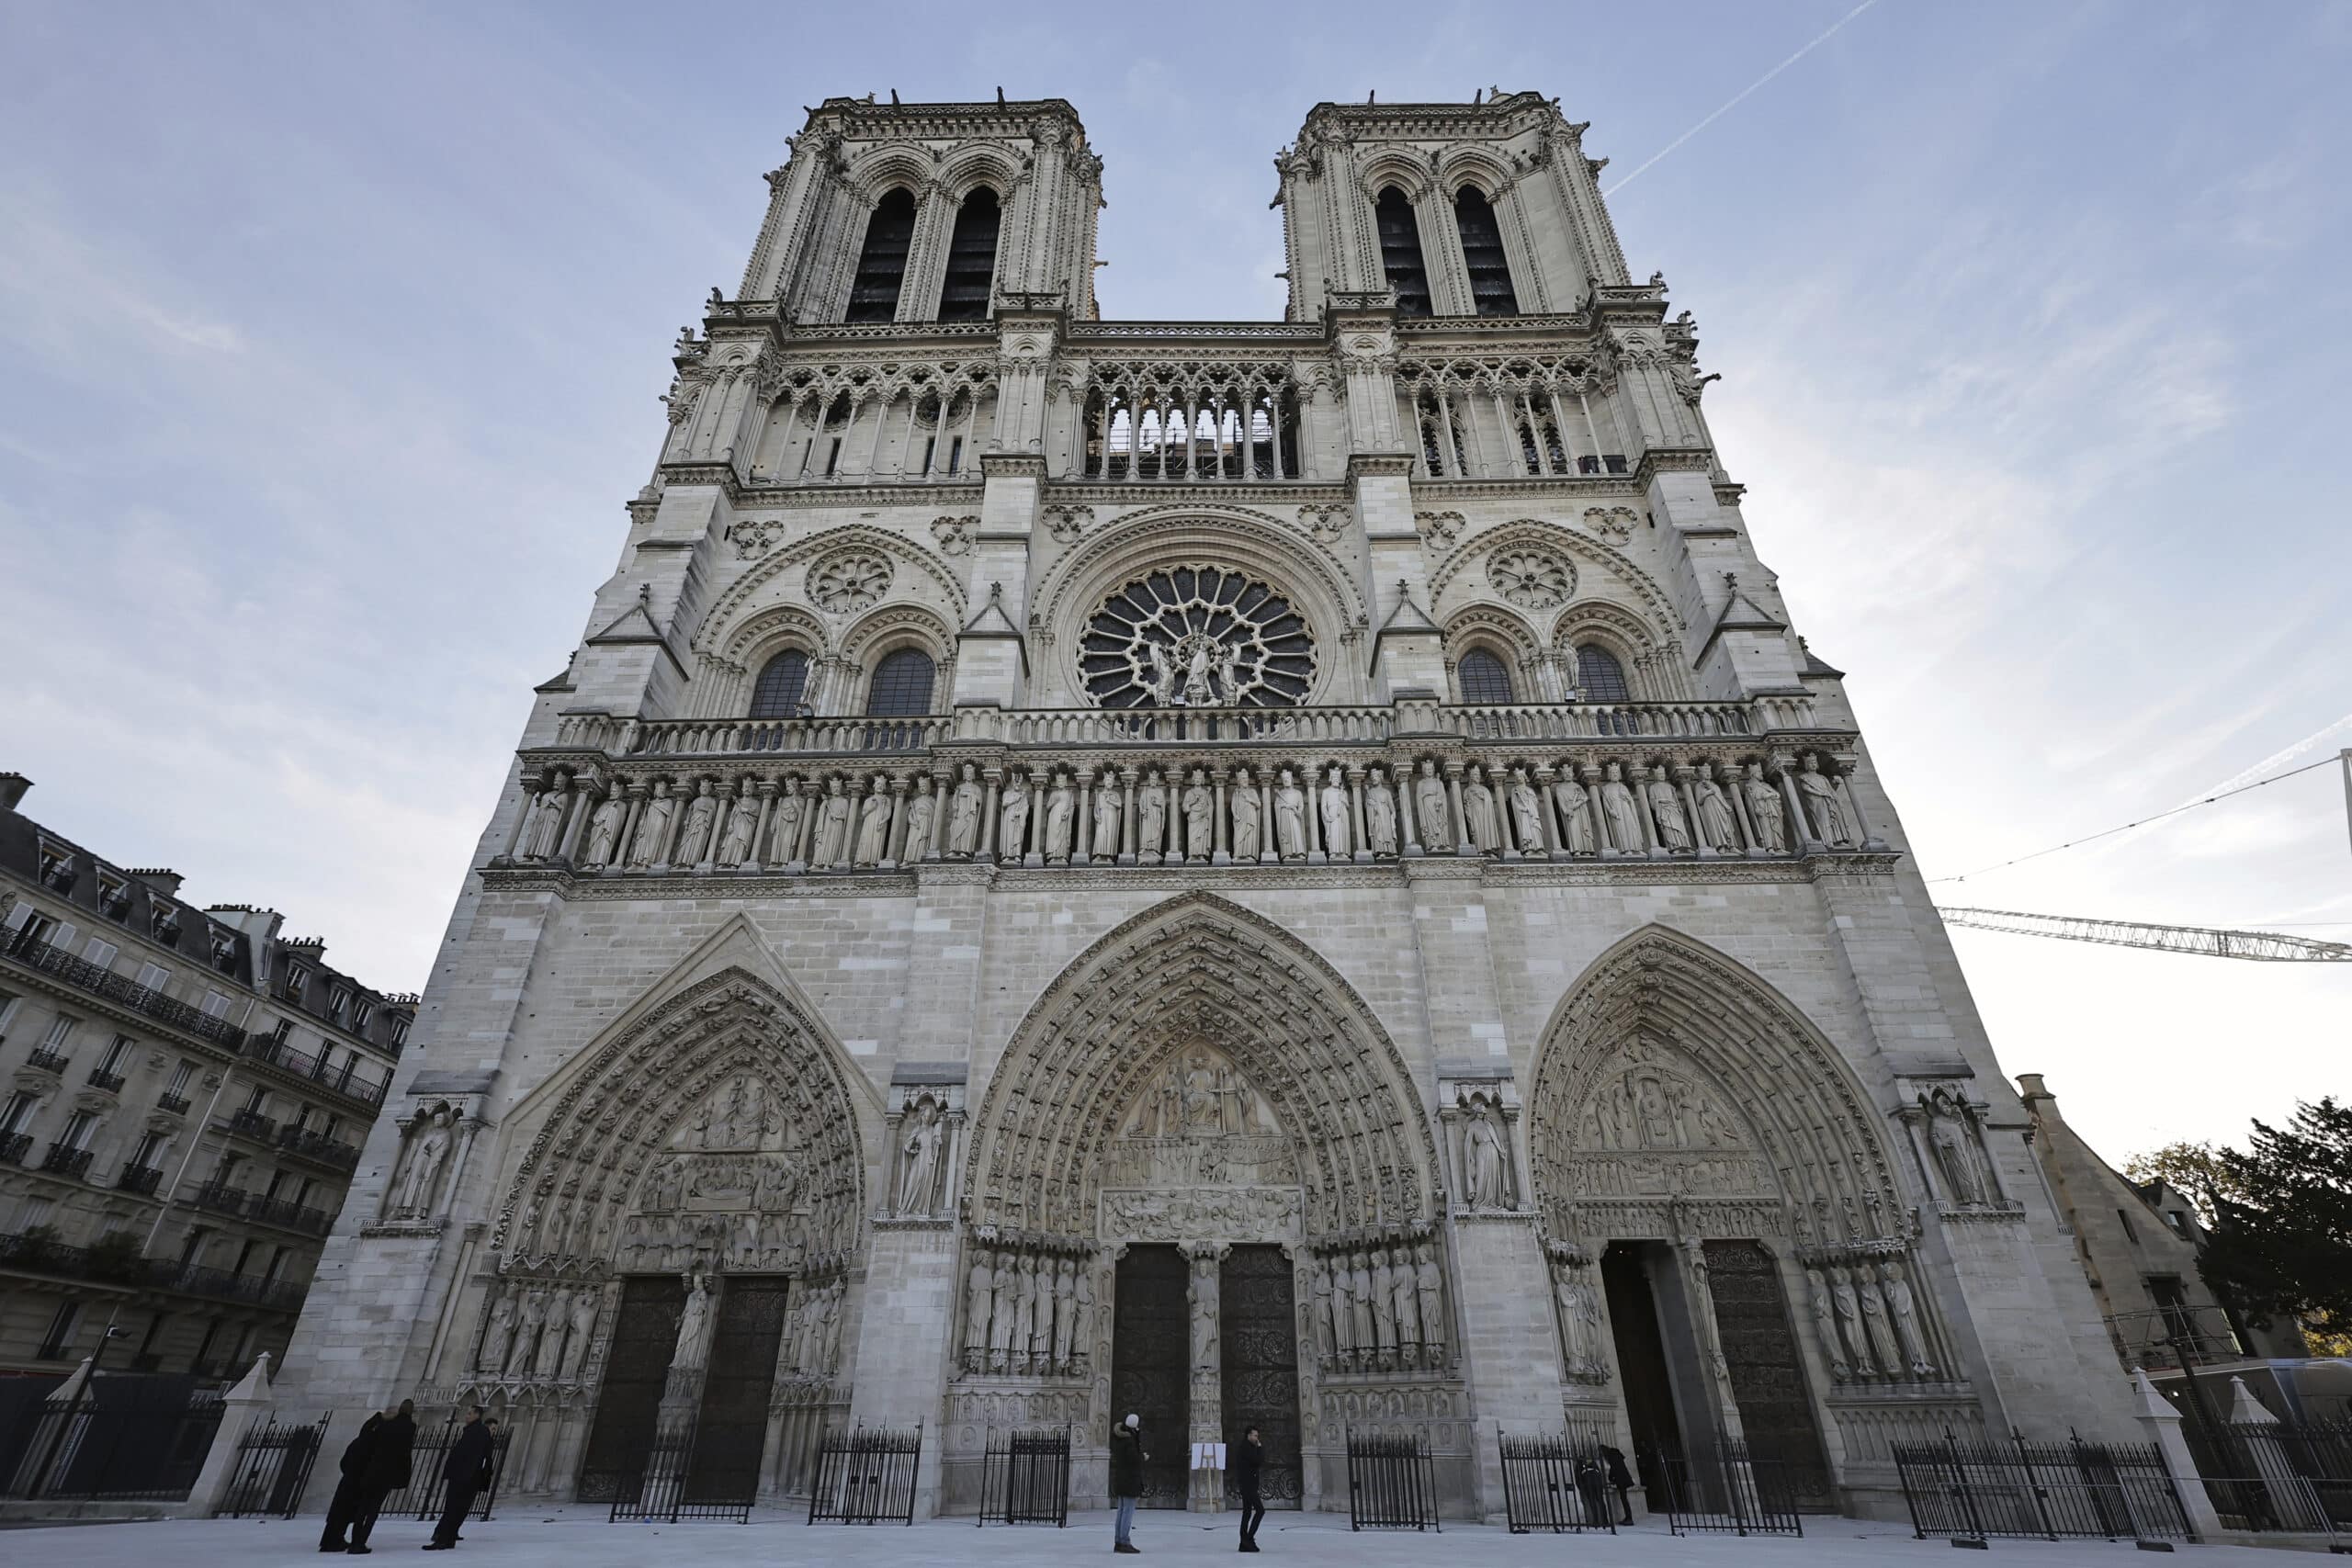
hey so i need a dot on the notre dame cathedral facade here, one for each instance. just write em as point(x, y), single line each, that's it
point(1291, 872)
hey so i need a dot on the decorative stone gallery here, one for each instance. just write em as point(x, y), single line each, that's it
point(1289, 874)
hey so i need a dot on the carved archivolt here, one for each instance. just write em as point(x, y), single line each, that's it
point(1199, 971)
point(730, 1065)
point(913, 567)
point(1695, 1080)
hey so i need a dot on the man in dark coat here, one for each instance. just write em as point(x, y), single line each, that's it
point(1622, 1480)
point(466, 1470)
point(1127, 1477)
point(1248, 1463)
point(385, 1472)
point(336, 1537)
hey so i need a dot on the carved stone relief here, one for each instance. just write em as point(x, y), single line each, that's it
point(755, 536)
point(848, 580)
point(954, 534)
point(1534, 580)
point(1614, 522)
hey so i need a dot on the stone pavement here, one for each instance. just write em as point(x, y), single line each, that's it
point(579, 1538)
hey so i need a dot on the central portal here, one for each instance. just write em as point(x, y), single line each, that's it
point(1150, 1364)
point(1260, 1383)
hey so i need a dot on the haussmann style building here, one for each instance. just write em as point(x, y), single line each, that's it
point(1291, 873)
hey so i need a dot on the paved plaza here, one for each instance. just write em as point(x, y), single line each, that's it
point(575, 1537)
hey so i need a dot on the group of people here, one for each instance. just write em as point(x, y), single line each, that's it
point(1127, 1456)
point(376, 1463)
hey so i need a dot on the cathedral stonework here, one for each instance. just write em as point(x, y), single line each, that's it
point(1283, 872)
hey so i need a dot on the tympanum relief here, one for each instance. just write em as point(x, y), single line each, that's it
point(1199, 1155)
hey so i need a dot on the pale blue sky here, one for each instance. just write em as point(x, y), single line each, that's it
point(330, 337)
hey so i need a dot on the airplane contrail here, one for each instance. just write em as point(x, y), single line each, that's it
point(1742, 95)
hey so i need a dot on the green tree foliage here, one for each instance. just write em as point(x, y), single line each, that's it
point(2282, 1246)
point(2193, 1170)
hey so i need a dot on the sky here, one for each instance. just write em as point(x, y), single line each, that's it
point(331, 335)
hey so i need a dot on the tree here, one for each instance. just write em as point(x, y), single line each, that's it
point(2193, 1170)
point(2281, 1244)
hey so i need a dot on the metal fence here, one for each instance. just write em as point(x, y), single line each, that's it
point(1726, 1490)
point(1392, 1484)
point(273, 1466)
point(129, 1441)
point(1024, 1477)
point(867, 1476)
point(427, 1491)
point(1555, 1481)
point(2041, 1491)
point(2272, 1477)
point(662, 1487)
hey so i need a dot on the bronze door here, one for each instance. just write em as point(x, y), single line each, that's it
point(733, 1428)
point(635, 1367)
point(1767, 1372)
point(1151, 1365)
point(1258, 1326)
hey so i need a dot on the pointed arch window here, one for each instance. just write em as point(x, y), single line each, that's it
point(1482, 252)
point(1482, 677)
point(783, 686)
point(1400, 252)
point(971, 259)
point(901, 687)
point(1599, 675)
point(882, 262)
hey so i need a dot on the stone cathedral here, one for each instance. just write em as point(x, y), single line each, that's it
point(1285, 873)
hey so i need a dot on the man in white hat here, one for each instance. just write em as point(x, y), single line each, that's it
point(1126, 1476)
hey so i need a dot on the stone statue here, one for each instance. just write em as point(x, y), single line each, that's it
point(1065, 1278)
point(1404, 1300)
point(1948, 1133)
point(1526, 814)
point(497, 1339)
point(1243, 801)
point(1200, 817)
point(1831, 824)
point(1430, 1285)
point(1624, 816)
point(963, 815)
point(1666, 810)
point(422, 1183)
point(832, 827)
point(1205, 1310)
point(1379, 814)
point(1575, 804)
point(693, 1323)
point(549, 1360)
point(1061, 813)
point(1568, 1292)
point(735, 839)
point(1106, 815)
point(1196, 676)
point(701, 814)
point(980, 1285)
point(1430, 811)
point(873, 824)
point(1904, 1311)
point(534, 1326)
point(833, 1293)
point(1228, 673)
point(1717, 829)
point(919, 1178)
point(1360, 1289)
point(783, 834)
point(1151, 817)
point(1384, 1302)
point(1162, 682)
point(1849, 1321)
point(919, 813)
point(1012, 817)
point(1338, 838)
point(1081, 1316)
point(1343, 1303)
point(603, 833)
point(1874, 1323)
point(1825, 1323)
point(1326, 1338)
point(1764, 811)
point(653, 829)
point(1025, 1313)
point(1483, 1158)
point(1478, 813)
point(1290, 817)
point(1003, 1286)
point(540, 824)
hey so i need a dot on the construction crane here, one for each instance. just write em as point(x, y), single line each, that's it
point(2263, 946)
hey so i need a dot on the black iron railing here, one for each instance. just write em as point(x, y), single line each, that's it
point(427, 1491)
point(867, 1476)
point(1557, 1482)
point(303, 1144)
point(128, 1441)
point(38, 1253)
point(1024, 1477)
point(1392, 1482)
point(1722, 1490)
point(42, 1059)
point(14, 1147)
point(174, 1104)
point(2046, 1491)
point(221, 1197)
point(102, 1080)
point(63, 1159)
point(141, 1179)
point(273, 1466)
point(658, 1487)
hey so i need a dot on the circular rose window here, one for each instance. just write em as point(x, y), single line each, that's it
point(1197, 636)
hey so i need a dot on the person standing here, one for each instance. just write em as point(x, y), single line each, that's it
point(1248, 1463)
point(466, 1470)
point(1127, 1478)
point(336, 1537)
point(385, 1471)
point(1622, 1480)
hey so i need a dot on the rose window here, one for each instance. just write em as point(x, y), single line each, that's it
point(1197, 636)
point(1535, 579)
point(852, 580)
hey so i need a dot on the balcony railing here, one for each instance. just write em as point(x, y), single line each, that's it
point(139, 1178)
point(252, 1124)
point(39, 1254)
point(34, 953)
point(221, 1197)
point(13, 1147)
point(303, 1144)
point(43, 1059)
point(293, 1216)
point(110, 1082)
point(63, 1160)
point(175, 1103)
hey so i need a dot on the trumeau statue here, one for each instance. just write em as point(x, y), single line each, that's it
point(694, 1324)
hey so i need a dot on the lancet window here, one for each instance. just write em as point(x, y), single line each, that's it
point(1229, 422)
point(782, 689)
point(971, 259)
point(1507, 418)
point(1483, 678)
point(882, 261)
point(1400, 252)
point(902, 684)
point(1482, 252)
point(1599, 676)
point(923, 424)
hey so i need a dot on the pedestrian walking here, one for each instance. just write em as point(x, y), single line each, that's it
point(466, 1470)
point(1127, 1477)
point(1622, 1478)
point(385, 1471)
point(1248, 1463)
point(344, 1507)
